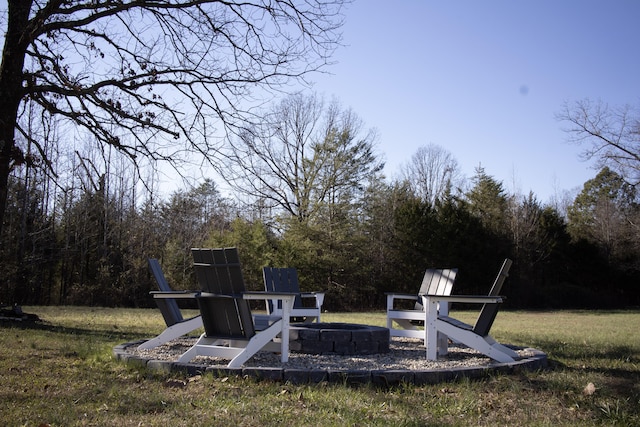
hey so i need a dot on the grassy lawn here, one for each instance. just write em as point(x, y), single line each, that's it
point(62, 373)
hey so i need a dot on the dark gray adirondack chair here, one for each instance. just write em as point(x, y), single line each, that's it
point(176, 324)
point(434, 282)
point(230, 331)
point(476, 336)
point(286, 280)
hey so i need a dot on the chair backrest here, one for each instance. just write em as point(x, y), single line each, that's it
point(282, 280)
point(225, 316)
point(437, 282)
point(489, 311)
point(219, 272)
point(168, 307)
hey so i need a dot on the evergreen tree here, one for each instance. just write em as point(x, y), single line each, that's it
point(602, 214)
point(488, 201)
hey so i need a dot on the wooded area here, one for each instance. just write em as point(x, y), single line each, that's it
point(87, 242)
point(99, 97)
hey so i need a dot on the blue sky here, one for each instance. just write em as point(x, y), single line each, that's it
point(484, 80)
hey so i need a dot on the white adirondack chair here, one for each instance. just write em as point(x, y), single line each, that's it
point(476, 336)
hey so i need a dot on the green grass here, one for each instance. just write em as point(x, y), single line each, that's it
point(62, 373)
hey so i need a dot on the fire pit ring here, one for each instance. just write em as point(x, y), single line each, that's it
point(338, 338)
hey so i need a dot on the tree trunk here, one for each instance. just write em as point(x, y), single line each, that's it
point(11, 91)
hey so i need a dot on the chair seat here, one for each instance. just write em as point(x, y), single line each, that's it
point(455, 322)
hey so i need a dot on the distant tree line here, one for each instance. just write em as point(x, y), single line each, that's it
point(307, 191)
point(97, 95)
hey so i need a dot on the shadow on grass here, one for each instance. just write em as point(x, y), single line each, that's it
point(609, 353)
point(619, 364)
point(108, 334)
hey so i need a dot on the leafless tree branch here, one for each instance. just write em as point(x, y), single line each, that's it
point(147, 76)
point(610, 135)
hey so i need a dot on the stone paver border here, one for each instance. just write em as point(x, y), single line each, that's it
point(538, 360)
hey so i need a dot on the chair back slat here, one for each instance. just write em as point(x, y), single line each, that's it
point(218, 270)
point(221, 317)
point(167, 306)
point(282, 280)
point(437, 282)
point(489, 311)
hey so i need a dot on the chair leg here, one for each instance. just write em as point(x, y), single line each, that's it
point(485, 345)
point(239, 351)
point(501, 348)
point(257, 343)
point(172, 332)
point(193, 351)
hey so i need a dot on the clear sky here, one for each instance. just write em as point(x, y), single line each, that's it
point(484, 80)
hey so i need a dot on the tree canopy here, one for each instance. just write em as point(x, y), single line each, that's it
point(604, 212)
point(155, 79)
point(304, 157)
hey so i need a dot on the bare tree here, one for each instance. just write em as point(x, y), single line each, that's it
point(431, 173)
point(611, 135)
point(153, 78)
point(303, 156)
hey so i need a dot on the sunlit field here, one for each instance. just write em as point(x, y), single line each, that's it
point(62, 373)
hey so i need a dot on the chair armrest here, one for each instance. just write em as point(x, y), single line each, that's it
point(287, 299)
point(392, 296)
point(258, 295)
point(273, 296)
point(220, 296)
point(319, 297)
point(253, 295)
point(310, 294)
point(470, 299)
point(395, 295)
point(174, 294)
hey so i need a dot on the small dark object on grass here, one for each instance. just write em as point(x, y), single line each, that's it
point(15, 313)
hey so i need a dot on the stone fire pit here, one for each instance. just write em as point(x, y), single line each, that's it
point(338, 338)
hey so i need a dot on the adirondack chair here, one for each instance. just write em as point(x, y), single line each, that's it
point(286, 280)
point(176, 324)
point(230, 330)
point(434, 282)
point(477, 336)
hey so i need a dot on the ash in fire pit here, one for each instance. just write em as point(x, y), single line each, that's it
point(338, 338)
